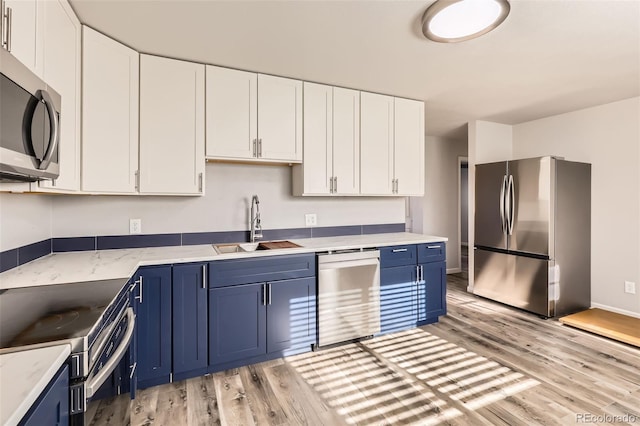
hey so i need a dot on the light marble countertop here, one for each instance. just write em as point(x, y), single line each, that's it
point(23, 377)
point(61, 268)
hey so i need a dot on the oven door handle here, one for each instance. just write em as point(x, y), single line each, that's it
point(94, 383)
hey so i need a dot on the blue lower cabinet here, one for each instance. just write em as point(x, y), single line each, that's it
point(154, 326)
point(189, 328)
point(52, 407)
point(398, 294)
point(434, 302)
point(291, 315)
point(237, 317)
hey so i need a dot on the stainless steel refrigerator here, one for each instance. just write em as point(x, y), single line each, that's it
point(532, 246)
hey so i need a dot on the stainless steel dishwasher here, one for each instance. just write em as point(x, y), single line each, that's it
point(348, 295)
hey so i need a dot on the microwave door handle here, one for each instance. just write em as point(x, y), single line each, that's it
point(54, 130)
point(94, 383)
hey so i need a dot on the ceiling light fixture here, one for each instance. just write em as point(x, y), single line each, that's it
point(450, 21)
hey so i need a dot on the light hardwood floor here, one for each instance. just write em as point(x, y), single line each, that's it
point(482, 364)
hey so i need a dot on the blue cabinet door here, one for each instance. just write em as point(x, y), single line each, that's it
point(132, 352)
point(291, 315)
point(189, 328)
point(398, 305)
point(154, 326)
point(237, 317)
point(432, 294)
point(52, 407)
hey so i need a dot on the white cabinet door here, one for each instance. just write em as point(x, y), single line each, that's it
point(279, 118)
point(109, 114)
point(62, 55)
point(232, 103)
point(376, 144)
point(409, 147)
point(346, 141)
point(317, 159)
point(171, 126)
point(25, 33)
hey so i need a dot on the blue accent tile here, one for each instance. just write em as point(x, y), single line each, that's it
point(336, 231)
point(383, 228)
point(285, 234)
point(34, 251)
point(8, 259)
point(60, 245)
point(194, 238)
point(108, 242)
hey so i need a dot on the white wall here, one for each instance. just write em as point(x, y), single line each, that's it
point(229, 188)
point(24, 219)
point(488, 142)
point(608, 137)
point(437, 212)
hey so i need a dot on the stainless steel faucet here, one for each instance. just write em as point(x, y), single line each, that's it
point(256, 227)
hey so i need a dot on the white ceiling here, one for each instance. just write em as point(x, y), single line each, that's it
point(548, 57)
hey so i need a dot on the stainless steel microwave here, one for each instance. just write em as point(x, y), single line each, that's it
point(29, 124)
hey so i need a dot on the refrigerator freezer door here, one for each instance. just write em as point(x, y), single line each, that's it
point(518, 281)
point(532, 197)
point(489, 226)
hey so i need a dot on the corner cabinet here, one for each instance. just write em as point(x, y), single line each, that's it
point(331, 134)
point(109, 115)
point(261, 308)
point(391, 145)
point(172, 129)
point(412, 285)
point(253, 116)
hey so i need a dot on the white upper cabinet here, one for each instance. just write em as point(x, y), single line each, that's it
point(253, 116)
point(331, 142)
point(23, 35)
point(409, 147)
point(232, 111)
point(376, 144)
point(109, 114)
point(346, 141)
point(391, 146)
point(62, 55)
point(172, 128)
point(279, 118)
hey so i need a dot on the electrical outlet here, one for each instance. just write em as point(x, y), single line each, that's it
point(630, 287)
point(310, 219)
point(135, 226)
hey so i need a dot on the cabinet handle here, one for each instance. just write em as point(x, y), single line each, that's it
point(8, 17)
point(397, 186)
point(137, 180)
point(200, 182)
point(433, 247)
point(331, 185)
point(399, 250)
point(260, 148)
point(255, 149)
point(421, 273)
point(133, 369)
point(204, 276)
point(269, 293)
point(2, 23)
point(335, 184)
point(264, 294)
point(417, 274)
point(139, 298)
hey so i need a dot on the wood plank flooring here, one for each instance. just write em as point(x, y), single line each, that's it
point(609, 324)
point(482, 364)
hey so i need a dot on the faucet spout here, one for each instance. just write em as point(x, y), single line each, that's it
point(256, 226)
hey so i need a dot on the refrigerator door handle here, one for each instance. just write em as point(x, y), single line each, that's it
point(502, 204)
point(512, 207)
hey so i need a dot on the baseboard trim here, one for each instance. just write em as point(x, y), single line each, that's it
point(454, 270)
point(616, 310)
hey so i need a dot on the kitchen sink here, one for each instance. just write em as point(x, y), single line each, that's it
point(250, 247)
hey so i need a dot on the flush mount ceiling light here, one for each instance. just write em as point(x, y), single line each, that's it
point(450, 21)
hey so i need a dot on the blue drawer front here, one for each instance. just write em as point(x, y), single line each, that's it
point(398, 256)
point(271, 268)
point(432, 252)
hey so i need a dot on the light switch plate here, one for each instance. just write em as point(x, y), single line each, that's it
point(135, 226)
point(310, 219)
point(630, 287)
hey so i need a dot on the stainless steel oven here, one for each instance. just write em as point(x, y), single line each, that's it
point(29, 124)
point(94, 318)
